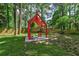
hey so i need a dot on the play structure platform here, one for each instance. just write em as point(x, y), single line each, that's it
point(35, 39)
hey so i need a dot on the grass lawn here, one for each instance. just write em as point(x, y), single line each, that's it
point(15, 46)
point(44, 50)
point(11, 46)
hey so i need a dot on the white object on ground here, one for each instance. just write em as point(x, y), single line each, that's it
point(35, 39)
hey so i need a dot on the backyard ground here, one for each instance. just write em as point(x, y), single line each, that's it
point(58, 45)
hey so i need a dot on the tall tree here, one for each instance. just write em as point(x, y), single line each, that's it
point(14, 9)
point(7, 5)
point(20, 18)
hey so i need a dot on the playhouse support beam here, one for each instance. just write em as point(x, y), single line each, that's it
point(29, 34)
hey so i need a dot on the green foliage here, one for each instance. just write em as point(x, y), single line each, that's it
point(34, 25)
point(65, 16)
point(3, 20)
point(62, 22)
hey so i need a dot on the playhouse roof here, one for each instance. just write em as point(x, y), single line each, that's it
point(37, 19)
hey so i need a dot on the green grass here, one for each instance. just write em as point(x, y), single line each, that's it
point(11, 46)
point(15, 46)
point(44, 50)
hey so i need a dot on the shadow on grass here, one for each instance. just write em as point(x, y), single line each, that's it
point(11, 46)
point(44, 50)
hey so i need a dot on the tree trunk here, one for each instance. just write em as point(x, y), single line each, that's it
point(20, 18)
point(25, 25)
point(62, 10)
point(7, 16)
point(14, 18)
point(69, 16)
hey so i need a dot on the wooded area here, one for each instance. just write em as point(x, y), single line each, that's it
point(62, 22)
point(64, 17)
